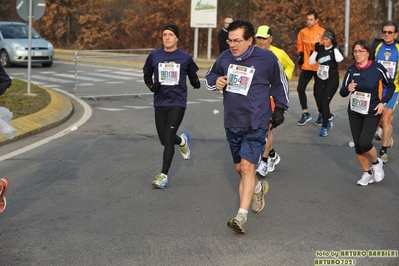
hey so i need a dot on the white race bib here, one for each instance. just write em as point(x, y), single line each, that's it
point(169, 73)
point(239, 79)
point(322, 72)
point(360, 102)
point(390, 66)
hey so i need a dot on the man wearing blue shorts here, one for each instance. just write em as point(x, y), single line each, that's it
point(248, 76)
point(386, 51)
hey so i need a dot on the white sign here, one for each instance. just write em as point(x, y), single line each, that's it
point(203, 14)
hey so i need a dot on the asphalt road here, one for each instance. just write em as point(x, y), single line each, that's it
point(86, 198)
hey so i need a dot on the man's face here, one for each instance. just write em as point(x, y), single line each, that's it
point(311, 21)
point(169, 39)
point(388, 34)
point(238, 45)
point(264, 43)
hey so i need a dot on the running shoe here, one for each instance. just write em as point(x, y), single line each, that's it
point(319, 120)
point(390, 144)
point(330, 125)
point(331, 117)
point(258, 199)
point(262, 168)
point(3, 191)
point(238, 223)
point(186, 149)
point(378, 171)
point(304, 119)
point(383, 156)
point(273, 161)
point(378, 133)
point(161, 181)
point(323, 132)
point(366, 179)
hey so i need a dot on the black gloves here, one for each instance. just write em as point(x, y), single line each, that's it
point(195, 82)
point(277, 117)
point(317, 46)
point(300, 59)
point(155, 87)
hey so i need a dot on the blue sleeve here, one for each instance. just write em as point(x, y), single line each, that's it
point(279, 88)
point(344, 88)
point(212, 75)
point(5, 81)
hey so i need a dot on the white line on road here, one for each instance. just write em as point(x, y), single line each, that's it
point(85, 117)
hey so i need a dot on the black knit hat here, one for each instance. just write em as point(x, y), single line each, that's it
point(172, 28)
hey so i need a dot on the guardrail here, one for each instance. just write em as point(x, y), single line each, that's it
point(110, 73)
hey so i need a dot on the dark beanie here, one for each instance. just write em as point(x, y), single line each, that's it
point(173, 28)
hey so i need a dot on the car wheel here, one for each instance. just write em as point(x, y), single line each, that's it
point(5, 59)
point(47, 64)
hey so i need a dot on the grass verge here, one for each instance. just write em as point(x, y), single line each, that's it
point(19, 103)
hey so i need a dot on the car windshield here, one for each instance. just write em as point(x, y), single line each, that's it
point(17, 32)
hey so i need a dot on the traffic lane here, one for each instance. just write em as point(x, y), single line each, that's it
point(45, 76)
point(89, 194)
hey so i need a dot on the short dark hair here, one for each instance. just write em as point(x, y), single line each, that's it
point(314, 13)
point(389, 23)
point(365, 45)
point(249, 29)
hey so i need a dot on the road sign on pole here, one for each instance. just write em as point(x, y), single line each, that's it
point(30, 10)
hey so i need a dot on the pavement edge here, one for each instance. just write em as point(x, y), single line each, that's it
point(55, 113)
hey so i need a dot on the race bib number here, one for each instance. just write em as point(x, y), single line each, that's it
point(322, 72)
point(239, 79)
point(390, 66)
point(360, 102)
point(169, 73)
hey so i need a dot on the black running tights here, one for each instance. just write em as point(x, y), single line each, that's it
point(167, 122)
point(323, 93)
point(304, 78)
point(363, 129)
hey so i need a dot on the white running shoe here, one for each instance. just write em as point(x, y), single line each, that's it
point(186, 149)
point(378, 172)
point(378, 134)
point(262, 168)
point(161, 181)
point(366, 179)
point(273, 161)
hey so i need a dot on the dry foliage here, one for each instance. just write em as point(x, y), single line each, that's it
point(123, 24)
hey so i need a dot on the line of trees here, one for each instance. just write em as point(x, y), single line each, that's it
point(123, 24)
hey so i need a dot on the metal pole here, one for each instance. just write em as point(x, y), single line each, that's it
point(347, 23)
point(209, 43)
point(195, 43)
point(389, 9)
point(29, 44)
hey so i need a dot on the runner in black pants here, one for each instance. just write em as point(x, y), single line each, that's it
point(328, 56)
point(170, 66)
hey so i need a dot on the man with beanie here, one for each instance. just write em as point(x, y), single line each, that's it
point(170, 67)
point(264, 37)
point(222, 36)
point(306, 40)
point(248, 76)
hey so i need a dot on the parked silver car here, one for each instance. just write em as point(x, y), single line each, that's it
point(14, 45)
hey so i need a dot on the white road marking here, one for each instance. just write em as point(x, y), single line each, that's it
point(85, 117)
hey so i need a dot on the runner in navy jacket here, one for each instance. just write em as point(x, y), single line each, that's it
point(364, 82)
point(248, 76)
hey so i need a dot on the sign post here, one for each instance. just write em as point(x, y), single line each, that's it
point(30, 10)
point(203, 16)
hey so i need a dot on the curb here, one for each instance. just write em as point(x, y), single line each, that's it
point(55, 113)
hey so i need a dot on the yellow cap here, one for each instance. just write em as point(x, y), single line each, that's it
point(264, 32)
